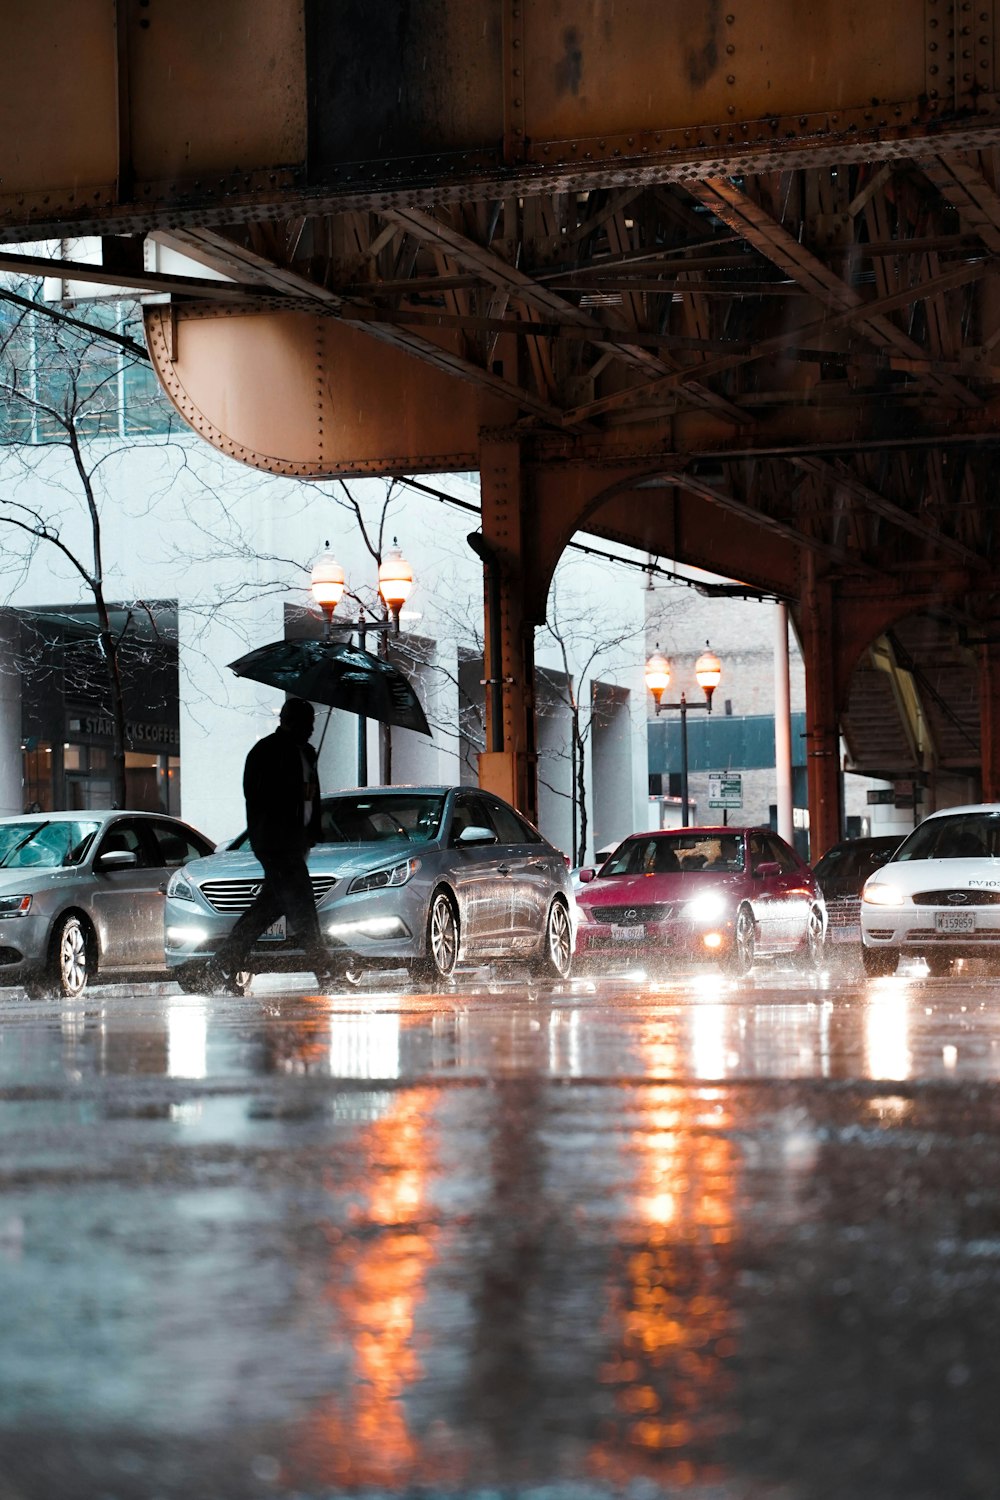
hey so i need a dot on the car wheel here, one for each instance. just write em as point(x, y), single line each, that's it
point(442, 941)
point(556, 957)
point(70, 962)
point(810, 956)
point(938, 964)
point(878, 962)
point(739, 959)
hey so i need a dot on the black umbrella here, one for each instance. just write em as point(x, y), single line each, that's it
point(340, 675)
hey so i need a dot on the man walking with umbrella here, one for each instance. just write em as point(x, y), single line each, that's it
point(281, 787)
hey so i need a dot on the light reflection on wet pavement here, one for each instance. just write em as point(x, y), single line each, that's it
point(709, 1238)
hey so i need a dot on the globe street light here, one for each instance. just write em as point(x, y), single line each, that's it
point(708, 673)
point(328, 584)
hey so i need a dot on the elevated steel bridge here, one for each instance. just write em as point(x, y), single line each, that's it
point(712, 278)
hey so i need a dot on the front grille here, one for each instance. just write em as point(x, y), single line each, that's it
point(968, 898)
point(631, 916)
point(235, 896)
point(845, 912)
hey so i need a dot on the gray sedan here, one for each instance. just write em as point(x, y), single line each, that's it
point(425, 878)
point(81, 894)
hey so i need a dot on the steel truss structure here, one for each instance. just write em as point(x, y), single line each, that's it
point(716, 281)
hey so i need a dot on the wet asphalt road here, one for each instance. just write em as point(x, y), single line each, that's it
point(706, 1238)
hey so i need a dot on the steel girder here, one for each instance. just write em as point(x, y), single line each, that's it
point(740, 257)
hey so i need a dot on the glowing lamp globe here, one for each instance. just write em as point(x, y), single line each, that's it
point(708, 672)
point(657, 674)
point(395, 580)
point(327, 582)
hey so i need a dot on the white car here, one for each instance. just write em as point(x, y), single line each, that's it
point(938, 897)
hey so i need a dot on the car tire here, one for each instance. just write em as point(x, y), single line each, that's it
point(878, 962)
point(70, 964)
point(555, 960)
point(443, 938)
point(813, 951)
point(739, 959)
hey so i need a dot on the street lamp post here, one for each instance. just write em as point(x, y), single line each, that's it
point(328, 584)
point(708, 672)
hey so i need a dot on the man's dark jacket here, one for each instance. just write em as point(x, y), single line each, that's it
point(273, 785)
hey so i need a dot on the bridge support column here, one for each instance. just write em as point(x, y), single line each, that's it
point(822, 711)
point(989, 719)
point(508, 766)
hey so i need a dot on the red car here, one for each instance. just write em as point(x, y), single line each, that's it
point(729, 894)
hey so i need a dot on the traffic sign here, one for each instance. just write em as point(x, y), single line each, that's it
point(725, 790)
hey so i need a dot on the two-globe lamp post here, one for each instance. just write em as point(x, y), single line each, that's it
point(328, 584)
point(708, 674)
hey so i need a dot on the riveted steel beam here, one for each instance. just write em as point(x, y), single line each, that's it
point(185, 113)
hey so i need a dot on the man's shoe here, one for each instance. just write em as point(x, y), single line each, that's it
point(219, 981)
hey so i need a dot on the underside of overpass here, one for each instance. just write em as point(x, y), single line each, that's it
point(715, 280)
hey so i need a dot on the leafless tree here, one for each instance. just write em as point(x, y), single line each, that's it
point(61, 381)
point(588, 639)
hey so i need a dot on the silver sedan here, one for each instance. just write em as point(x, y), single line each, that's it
point(81, 894)
point(425, 878)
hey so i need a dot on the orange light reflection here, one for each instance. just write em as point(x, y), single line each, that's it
point(670, 1302)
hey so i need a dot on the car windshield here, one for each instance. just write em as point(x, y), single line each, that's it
point(972, 835)
point(36, 843)
point(365, 818)
point(676, 854)
point(851, 862)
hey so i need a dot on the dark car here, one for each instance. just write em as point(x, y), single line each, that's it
point(729, 894)
point(841, 872)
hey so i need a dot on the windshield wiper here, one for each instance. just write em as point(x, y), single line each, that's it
point(21, 843)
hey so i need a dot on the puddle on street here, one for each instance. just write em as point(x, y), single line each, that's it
point(716, 1237)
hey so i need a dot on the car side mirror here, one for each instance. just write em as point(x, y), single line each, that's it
point(117, 859)
point(768, 867)
point(477, 836)
point(586, 876)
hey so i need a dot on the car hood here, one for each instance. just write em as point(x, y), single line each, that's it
point(40, 877)
point(910, 875)
point(640, 890)
point(325, 859)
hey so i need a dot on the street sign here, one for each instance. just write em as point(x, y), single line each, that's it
point(725, 790)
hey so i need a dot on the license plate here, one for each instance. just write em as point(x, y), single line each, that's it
point(275, 933)
point(628, 934)
point(955, 921)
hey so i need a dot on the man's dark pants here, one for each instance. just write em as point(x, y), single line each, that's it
point(286, 891)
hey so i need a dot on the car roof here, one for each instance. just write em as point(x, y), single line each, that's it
point(967, 807)
point(89, 815)
point(735, 829)
point(388, 791)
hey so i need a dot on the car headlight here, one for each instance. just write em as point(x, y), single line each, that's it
point(706, 907)
point(378, 880)
point(15, 906)
point(179, 887)
point(880, 893)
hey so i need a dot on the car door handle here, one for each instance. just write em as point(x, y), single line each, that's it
point(537, 864)
point(503, 869)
